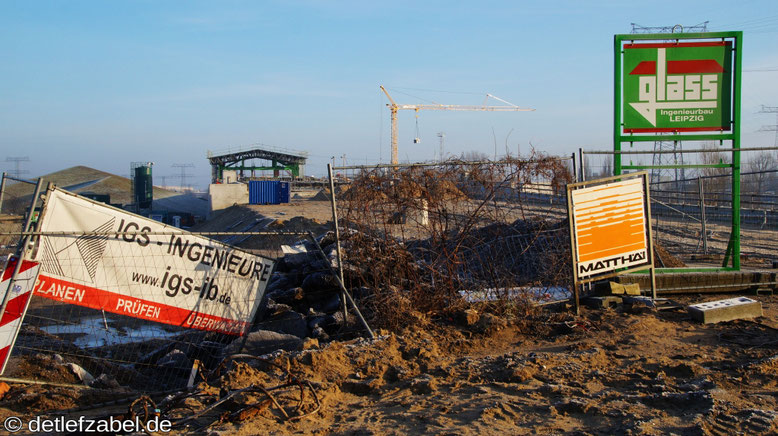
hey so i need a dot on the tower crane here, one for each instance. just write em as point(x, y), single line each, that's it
point(394, 107)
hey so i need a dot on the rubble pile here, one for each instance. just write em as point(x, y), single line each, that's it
point(302, 300)
point(163, 362)
point(390, 278)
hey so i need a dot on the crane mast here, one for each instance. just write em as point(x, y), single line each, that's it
point(394, 108)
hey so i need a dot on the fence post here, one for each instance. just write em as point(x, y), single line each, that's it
point(702, 215)
point(2, 192)
point(575, 167)
point(337, 242)
point(582, 165)
point(576, 286)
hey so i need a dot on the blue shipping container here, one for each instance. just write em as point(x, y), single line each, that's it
point(268, 192)
point(263, 192)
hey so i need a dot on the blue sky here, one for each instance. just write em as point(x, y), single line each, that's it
point(106, 83)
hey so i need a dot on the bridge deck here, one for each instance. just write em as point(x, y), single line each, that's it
point(257, 153)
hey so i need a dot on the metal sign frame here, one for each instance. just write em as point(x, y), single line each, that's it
point(731, 39)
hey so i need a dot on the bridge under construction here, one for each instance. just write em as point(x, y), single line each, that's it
point(276, 160)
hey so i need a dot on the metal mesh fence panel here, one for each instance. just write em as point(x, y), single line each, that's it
point(692, 208)
point(419, 237)
point(695, 235)
point(12, 209)
point(9, 224)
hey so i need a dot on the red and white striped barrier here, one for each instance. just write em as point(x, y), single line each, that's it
point(18, 299)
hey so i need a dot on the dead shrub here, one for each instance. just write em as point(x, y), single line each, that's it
point(419, 236)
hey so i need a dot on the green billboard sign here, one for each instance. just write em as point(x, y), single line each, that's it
point(680, 87)
point(677, 86)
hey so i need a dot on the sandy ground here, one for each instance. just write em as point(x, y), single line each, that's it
point(320, 211)
point(605, 372)
point(235, 218)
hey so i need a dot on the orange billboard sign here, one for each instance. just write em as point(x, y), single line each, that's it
point(610, 225)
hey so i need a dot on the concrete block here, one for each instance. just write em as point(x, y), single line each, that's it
point(725, 310)
point(626, 288)
point(644, 301)
point(603, 302)
point(616, 288)
point(602, 287)
point(658, 303)
point(632, 289)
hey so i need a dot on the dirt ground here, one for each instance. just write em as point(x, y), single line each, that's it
point(320, 211)
point(606, 372)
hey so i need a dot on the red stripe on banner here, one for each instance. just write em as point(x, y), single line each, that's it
point(699, 66)
point(675, 129)
point(86, 296)
point(679, 44)
point(694, 66)
point(4, 353)
point(12, 265)
point(645, 68)
point(15, 308)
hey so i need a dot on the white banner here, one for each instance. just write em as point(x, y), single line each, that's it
point(178, 279)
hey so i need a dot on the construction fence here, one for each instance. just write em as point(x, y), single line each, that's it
point(692, 219)
point(418, 238)
point(122, 301)
point(12, 207)
point(692, 200)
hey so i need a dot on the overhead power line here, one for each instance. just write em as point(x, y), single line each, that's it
point(773, 127)
point(184, 175)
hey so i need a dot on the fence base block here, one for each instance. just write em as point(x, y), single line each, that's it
point(603, 302)
point(725, 310)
